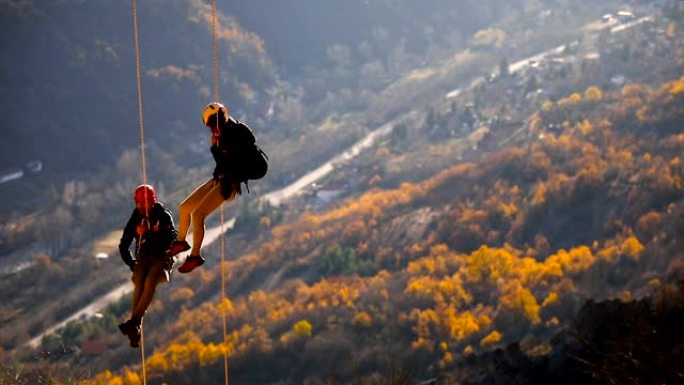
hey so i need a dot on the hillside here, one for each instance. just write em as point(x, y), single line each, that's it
point(71, 212)
point(477, 256)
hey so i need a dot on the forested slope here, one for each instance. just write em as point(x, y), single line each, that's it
point(477, 256)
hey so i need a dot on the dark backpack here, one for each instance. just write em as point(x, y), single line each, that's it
point(250, 159)
point(255, 163)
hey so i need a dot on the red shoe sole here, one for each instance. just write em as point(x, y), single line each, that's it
point(177, 247)
point(190, 265)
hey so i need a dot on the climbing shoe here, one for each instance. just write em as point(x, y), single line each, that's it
point(127, 327)
point(134, 337)
point(177, 247)
point(191, 263)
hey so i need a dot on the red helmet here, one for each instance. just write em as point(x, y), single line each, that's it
point(144, 193)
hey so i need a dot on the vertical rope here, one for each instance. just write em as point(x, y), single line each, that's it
point(142, 354)
point(138, 78)
point(214, 45)
point(143, 159)
point(217, 97)
point(224, 305)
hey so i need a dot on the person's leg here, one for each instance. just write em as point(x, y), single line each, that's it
point(189, 205)
point(212, 200)
point(138, 283)
point(138, 278)
point(186, 207)
point(157, 271)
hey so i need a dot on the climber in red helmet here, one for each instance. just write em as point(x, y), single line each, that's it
point(151, 225)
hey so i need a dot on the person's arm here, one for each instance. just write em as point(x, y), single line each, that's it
point(127, 239)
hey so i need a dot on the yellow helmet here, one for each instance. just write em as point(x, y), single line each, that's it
point(212, 109)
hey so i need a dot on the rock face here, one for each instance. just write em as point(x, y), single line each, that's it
point(611, 342)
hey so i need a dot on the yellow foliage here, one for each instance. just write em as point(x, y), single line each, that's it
point(609, 253)
point(508, 209)
point(468, 350)
point(489, 264)
point(570, 100)
point(576, 260)
point(422, 344)
point(303, 328)
point(547, 106)
point(593, 94)
point(585, 127)
point(132, 378)
point(539, 197)
point(105, 378)
point(632, 248)
point(491, 339)
point(446, 359)
point(517, 297)
point(550, 299)
point(677, 87)
point(443, 346)
point(460, 326)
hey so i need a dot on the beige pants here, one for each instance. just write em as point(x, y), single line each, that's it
point(147, 274)
point(195, 208)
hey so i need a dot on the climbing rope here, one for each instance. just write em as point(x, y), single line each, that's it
point(223, 306)
point(138, 79)
point(143, 160)
point(214, 45)
point(142, 354)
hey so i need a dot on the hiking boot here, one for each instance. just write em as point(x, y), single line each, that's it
point(191, 263)
point(177, 247)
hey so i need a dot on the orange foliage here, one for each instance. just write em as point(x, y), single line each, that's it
point(362, 319)
point(677, 87)
point(517, 297)
point(491, 339)
point(632, 248)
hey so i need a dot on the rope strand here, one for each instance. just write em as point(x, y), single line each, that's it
point(224, 305)
point(214, 45)
point(143, 159)
point(142, 353)
point(138, 79)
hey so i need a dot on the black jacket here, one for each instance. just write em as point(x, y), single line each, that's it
point(155, 241)
point(236, 137)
